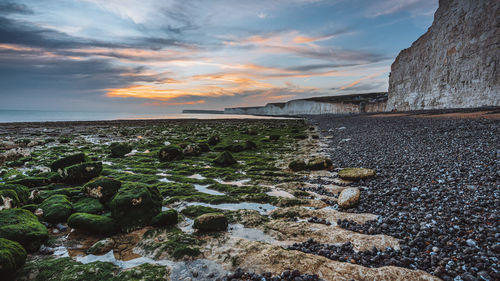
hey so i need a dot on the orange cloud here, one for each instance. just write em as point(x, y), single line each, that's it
point(361, 79)
point(306, 39)
point(163, 103)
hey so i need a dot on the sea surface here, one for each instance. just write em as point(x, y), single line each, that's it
point(8, 116)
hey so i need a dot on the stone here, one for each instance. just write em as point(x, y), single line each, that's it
point(224, 159)
point(319, 163)
point(21, 191)
point(120, 149)
point(88, 205)
point(297, 165)
point(67, 161)
point(23, 227)
point(56, 208)
point(348, 198)
point(94, 224)
point(170, 153)
point(102, 188)
point(165, 218)
point(8, 199)
point(134, 205)
point(356, 174)
point(101, 247)
point(454, 64)
point(12, 257)
point(211, 222)
point(192, 150)
point(81, 173)
point(213, 140)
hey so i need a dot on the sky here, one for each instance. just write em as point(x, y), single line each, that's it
point(169, 55)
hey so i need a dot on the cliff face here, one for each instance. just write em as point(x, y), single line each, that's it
point(454, 64)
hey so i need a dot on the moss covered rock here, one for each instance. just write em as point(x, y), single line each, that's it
point(249, 145)
point(224, 159)
point(297, 165)
point(56, 208)
point(320, 163)
point(134, 205)
point(94, 224)
point(88, 205)
point(274, 137)
point(81, 173)
point(102, 188)
point(192, 150)
point(32, 181)
point(213, 140)
point(165, 218)
point(211, 222)
point(120, 149)
point(170, 153)
point(12, 257)
point(8, 199)
point(67, 161)
point(196, 210)
point(356, 174)
point(22, 226)
point(204, 147)
point(21, 191)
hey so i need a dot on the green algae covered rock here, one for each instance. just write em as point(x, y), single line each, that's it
point(120, 149)
point(21, 191)
point(67, 161)
point(196, 210)
point(297, 165)
point(134, 205)
point(192, 150)
point(23, 227)
point(94, 224)
point(170, 153)
point(81, 173)
point(213, 140)
point(356, 174)
point(32, 181)
point(274, 137)
point(8, 198)
point(165, 218)
point(211, 222)
point(88, 205)
point(102, 188)
point(12, 257)
point(224, 159)
point(56, 208)
point(320, 163)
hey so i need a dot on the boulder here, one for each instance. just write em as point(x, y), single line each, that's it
point(192, 150)
point(94, 224)
point(274, 137)
point(120, 149)
point(12, 257)
point(21, 191)
point(102, 188)
point(8, 199)
point(356, 174)
point(348, 198)
point(249, 145)
point(211, 222)
point(56, 208)
point(165, 218)
point(88, 205)
point(297, 165)
point(213, 140)
point(22, 226)
point(134, 205)
point(67, 161)
point(319, 163)
point(170, 153)
point(81, 173)
point(101, 247)
point(224, 159)
point(204, 147)
point(32, 181)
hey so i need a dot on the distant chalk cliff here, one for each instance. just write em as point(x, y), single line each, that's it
point(454, 64)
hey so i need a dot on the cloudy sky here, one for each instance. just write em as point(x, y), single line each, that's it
point(168, 55)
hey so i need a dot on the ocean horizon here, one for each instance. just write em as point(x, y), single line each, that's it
point(13, 115)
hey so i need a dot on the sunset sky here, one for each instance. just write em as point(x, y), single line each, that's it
point(169, 55)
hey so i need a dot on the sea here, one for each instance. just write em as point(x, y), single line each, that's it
point(9, 116)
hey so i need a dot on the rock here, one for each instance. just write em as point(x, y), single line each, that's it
point(319, 163)
point(120, 149)
point(32, 181)
point(297, 165)
point(349, 197)
point(94, 224)
point(274, 137)
point(356, 174)
point(81, 173)
point(170, 153)
point(21, 191)
point(165, 218)
point(8, 199)
point(192, 150)
point(67, 161)
point(204, 147)
point(211, 222)
point(22, 226)
point(102, 188)
point(101, 247)
point(435, 72)
point(249, 145)
point(56, 208)
point(88, 205)
point(213, 140)
point(134, 205)
point(12, 257)
point(224, 159)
